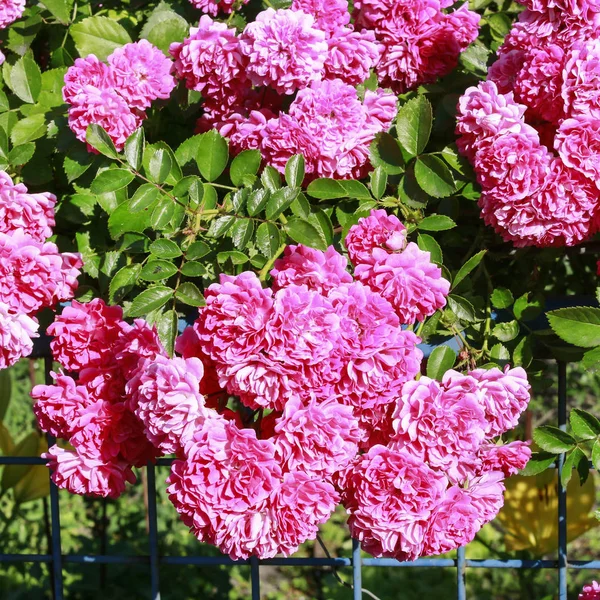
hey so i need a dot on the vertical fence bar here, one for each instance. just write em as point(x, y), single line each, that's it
point(255, 577)
point(562, 492)
point(356, 571)
point(153, 533)
point(461, 581)
point(57, 579)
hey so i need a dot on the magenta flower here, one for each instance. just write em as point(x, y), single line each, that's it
point(87, 71)
point(17, 331)
point(591, 591)
point(212, 7)
point(329, 15)
point(10, 11)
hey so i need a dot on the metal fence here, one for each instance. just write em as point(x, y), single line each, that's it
point(153, 559)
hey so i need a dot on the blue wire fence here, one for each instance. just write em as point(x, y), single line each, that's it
point(58, 560)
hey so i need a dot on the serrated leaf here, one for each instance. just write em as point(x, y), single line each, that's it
point(220, 226)
point(160, 165)
point(386, 153)
point(241, 233)
point(440, 360)
point(596, 455)
point(145, 196)
point(122, 220)
point(257, 201)
point(433, 176)
point(20, 155)
point(134, 149)
point(245, 164)
point(157, 270)
point(538, 463)
point(579, 326)
point(212, 155)
point(99, 36)
point(294, 171)
point(163, 212)
point(322, 223)
point(280, 201)
point(197, 250)
point(379, 179)
point(26, 79)
point(77, 162)
point(193, 269)
point(500, 353)
point(428, 244)
point(572, 461)
point(523, 352)
point(98, 139)
point(238, 199)
point(326, 189)
point(268, 239)
point(149, 300)
point(166, 326)
point(554, 440)
point(123, 282)
point(271, 179)
point(303, 232)
point(436, 223)
point(526, 309)
point(236, 258)
point(591, 359)
point(584, 425)
point(506, 332)
point(111, 180)
point(413, 125)
point(502, 298)
point(462, 308)
point(468, 267)
point(189, 294)
point(61, 9)
point(29, 129)
point(164, 27)
point(163, 248)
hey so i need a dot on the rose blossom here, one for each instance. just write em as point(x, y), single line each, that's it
point(329, 15)
point(212, 7)
point(86, 71)
point(16, 333)
point(578, 144)
point(10, 11)
point(508, 458)
point(591, 591)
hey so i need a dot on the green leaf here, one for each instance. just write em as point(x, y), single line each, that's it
point(271, 179)
point(111, 180)
point(502, 298)
point(164, 248)
point(163, 27)
point(474, 58)
point(193, 269)
point(538, 463)
point(386, 153)
point(584, 425)
point(241, 233)
point(123, 282)
point(61, 9)
point(166, 326)
point(163, 212)
point(440, 360)
point(238, 199)
point(499, 353)
point(20, 155)
point(326, 189)
point(303, 232)
point(379, 179)
point(268, 239)
point(189, 294)
point(552, 439)
point(236, 258)
point(99, 36)
point(279, 201)
point(468, 267)
point(294, 171)
point(98, 139)
point(505, 332)
point(191, 185)
point(134, 149)
point(212, 155)
point(591, 359)
point(188, 149)
point(245, 164)
point(257, 201)
point(428, 244)
point(523, 352)
point(322, 223)
point(413, 125)
point(462, 308)
point(146, 195)
point(436, 223)
point(26, 79)
point(572, 461)
point(122, 220)
point(525, 309)
point(157, 270)
point(433, 176)
point(356, 189)
point(5, 391)
point(77, 162)
point(579, 326)
point(28, 129)
point(12, 474)
point(596, 455)
point(220, 226)
point(149, 300)
point(197, 250)
point(160, 165)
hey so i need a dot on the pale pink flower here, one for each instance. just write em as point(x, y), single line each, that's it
point(316, 437)
point(284, 50)
point(329, 15)
point(10, 11)
point(391, 497)
point(591, 591)
point(90, 476)
point(84, 334)
point(378, 230)
point(487, 494)
point(32, 213)
point(578, 144)
point(408, 280)
point(17, 331)
point(165, 396)
point(141, 73)
point(320, 271)
point(57, 406)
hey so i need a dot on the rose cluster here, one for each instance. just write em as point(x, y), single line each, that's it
point(115, 95)
point(314, 51)
point(33, 273)
point(532, 130)
point(591, 591)
point(10, 11)
point(89, 407)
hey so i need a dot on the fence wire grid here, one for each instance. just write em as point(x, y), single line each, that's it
point(57, 560)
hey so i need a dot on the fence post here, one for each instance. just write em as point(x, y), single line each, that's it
point(461, 564)
point(153, 533)
point(562, 492)
point(255, 578)
point(356, 570)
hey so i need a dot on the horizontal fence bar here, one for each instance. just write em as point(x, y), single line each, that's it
point(209, 561)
